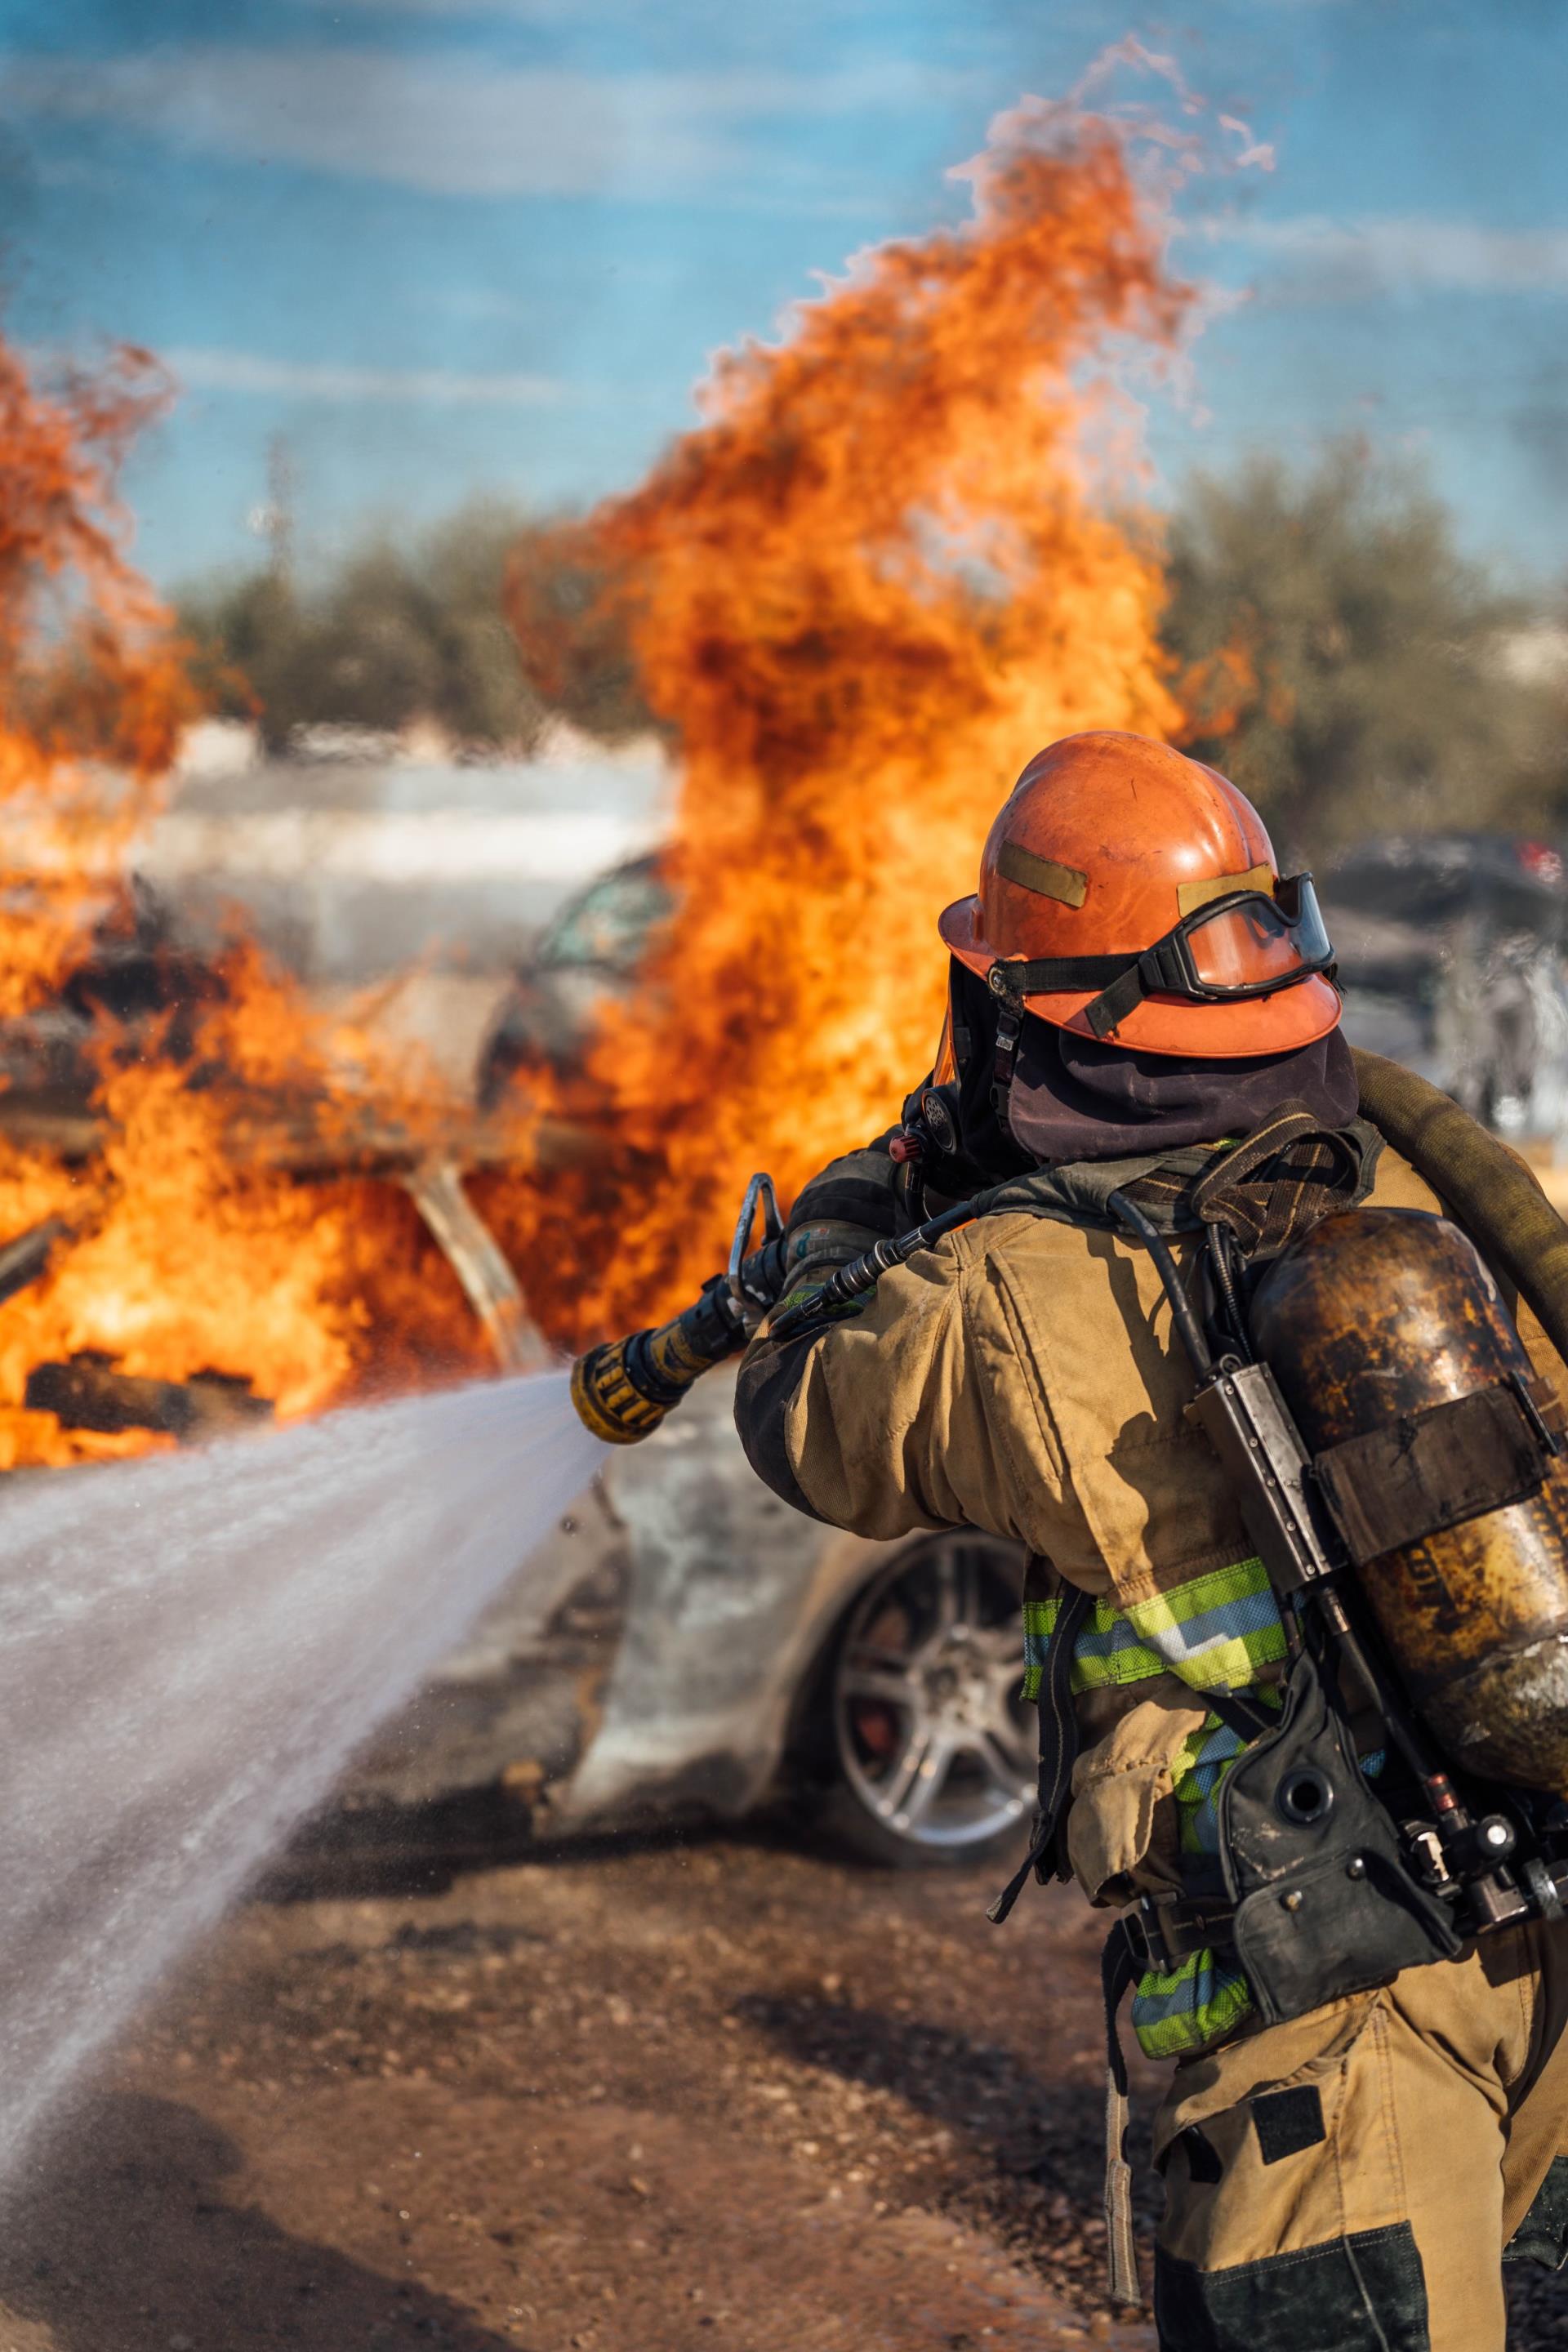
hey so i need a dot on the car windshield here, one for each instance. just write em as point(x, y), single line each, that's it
point(607, 927)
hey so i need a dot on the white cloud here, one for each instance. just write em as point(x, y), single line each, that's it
point(451, 126)
point(1312, 259)
point(223, 371)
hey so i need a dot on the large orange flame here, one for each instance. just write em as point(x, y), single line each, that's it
point(864, 590)
point(878, 575)
point(188, 1254)
point(93, 687)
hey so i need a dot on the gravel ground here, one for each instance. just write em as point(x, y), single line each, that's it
point(722, 2094)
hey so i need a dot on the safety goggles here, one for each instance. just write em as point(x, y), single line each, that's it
point(1249, 943)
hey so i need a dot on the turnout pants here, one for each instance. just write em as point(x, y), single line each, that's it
point(1355, 2180)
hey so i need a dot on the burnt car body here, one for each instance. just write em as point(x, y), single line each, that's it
point(685, 1644)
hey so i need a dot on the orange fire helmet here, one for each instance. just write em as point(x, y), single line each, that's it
point(1129, 893)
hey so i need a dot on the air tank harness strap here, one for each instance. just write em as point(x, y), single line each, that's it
point(1059, 1746)
point(1285, 1177)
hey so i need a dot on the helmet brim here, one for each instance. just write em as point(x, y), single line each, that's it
point(1169, 1025)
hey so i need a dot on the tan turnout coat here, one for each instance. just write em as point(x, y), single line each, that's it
point(1024, 1378)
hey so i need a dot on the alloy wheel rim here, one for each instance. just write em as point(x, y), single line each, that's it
point(931, 1728)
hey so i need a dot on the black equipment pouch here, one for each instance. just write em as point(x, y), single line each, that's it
point(1324, 1902)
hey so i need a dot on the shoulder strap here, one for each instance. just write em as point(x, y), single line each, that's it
point(1282, 1179)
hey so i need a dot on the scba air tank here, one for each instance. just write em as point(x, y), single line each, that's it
point(1412, 1389)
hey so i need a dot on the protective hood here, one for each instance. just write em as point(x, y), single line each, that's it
point(1074, 1098)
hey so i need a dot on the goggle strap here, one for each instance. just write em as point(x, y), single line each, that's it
point(1107, 1012)
point(1124, 985)
point(1050, 975)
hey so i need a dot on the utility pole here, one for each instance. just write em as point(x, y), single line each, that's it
point(273, 520)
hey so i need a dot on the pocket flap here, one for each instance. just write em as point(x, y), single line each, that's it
point(1117, 1785)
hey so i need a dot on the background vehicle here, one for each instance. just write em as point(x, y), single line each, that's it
point(592, 951)
point(1451, 957)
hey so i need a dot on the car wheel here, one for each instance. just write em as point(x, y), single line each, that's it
point(929, 1743)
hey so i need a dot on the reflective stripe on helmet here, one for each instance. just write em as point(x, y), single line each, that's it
point(1063, 883)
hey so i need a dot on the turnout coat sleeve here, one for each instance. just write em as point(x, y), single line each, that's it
point(893, 1420)
point(1023, 1377)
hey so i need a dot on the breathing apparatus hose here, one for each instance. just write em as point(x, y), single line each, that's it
point(842, 1288)
point(1489, 1188)
point(623, 1388)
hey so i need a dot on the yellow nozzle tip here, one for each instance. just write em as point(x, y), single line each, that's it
point(608, 1406)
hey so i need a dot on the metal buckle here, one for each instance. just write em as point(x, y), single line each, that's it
point(1171, 1928)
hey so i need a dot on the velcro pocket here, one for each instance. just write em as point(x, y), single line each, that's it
point(1116, 1787)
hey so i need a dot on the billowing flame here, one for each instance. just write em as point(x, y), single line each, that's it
point(887, 566)
point(877, 577)
point(189, 1252)
point(93, 688)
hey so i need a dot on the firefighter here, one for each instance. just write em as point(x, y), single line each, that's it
point(1133, 989)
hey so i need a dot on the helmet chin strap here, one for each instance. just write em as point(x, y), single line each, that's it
point(1009, 1025)
point(1123, 982)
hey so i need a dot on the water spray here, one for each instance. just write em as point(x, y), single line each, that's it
point(192, 1648)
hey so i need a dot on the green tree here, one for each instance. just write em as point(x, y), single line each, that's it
point(572, 622)
point(1345, 661)
point(398, 631)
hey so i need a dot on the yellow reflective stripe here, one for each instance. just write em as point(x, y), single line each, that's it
point(1190, 895)
point(1199, 2002)
point(1216, 1631)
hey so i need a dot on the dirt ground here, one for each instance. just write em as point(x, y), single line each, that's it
point(714, 2093)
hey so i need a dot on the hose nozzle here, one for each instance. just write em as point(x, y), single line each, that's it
point(623, 1388)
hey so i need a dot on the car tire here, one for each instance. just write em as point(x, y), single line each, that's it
point(841, 1822)
point(923, 1745)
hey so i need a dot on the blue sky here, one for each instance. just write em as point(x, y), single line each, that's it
point(463, 247)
